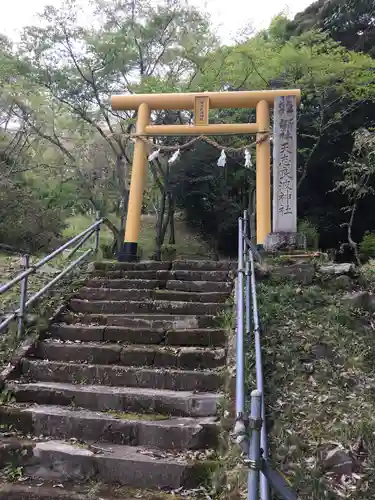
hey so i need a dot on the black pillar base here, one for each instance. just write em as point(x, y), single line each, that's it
point(128, 252)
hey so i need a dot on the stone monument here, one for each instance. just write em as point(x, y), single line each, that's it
point(284, 234)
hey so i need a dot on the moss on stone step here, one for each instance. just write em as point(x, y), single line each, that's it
point(137, 416)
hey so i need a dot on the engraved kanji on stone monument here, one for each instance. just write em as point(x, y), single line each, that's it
point(285, 165)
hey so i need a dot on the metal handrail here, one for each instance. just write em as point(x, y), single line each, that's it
point(251, 433)
point(22, 278)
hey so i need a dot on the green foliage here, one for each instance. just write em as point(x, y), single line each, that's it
point(312, 61)
point(70, 70)
point(337, 97)
point(367, 246)
point(357, 180)
point(56, 85)
point(168, 252)
point(358, 170)
point(212, 197)
point(6, 397)
point(12, 472)
point(107, 251)
point(26, 223)
point(350, 22)
point(311, 232)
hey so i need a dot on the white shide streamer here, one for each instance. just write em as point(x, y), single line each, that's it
point(154, 155)
point(174, 157)
point(222, 159)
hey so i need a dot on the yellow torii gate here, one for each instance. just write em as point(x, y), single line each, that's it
point(201, 103)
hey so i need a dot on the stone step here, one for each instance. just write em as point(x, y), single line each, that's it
point(144, 307)
point(215, 276)
point(87, 293)
point(41, 492)
point(178, 265)
point(178, 285)
point(115, 375)
point(204, 265)
point(65, 490)
point(138, 467)
point(111, 265)
point(159, 431)
point(88, 333)
point(149, 275)
point(125, 389)
point(113, 294)
point(181, 296)
point(122, 399)
point(188, 358)
point(141, 321)
point(125, 284)
point(198, 286)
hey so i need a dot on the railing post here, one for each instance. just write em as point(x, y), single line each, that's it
point(254, 460)
point(248, 300)
point(23, 296)
point(247, 280)
point(22, 277)
point(244, 232)
point(240, 389)
point(97, 233)
point(264, 489)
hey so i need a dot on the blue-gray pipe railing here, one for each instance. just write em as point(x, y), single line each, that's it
point(251, 433)
point(22, 278)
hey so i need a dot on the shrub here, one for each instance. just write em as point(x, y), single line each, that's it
point(26, 223)
point(107, 250)
point(168, 252)
point(367, 247)
point(311, 233)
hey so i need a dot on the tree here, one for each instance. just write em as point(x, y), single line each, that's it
point(65, 73)
point(133, 47)
point(28, 221)
point(165, 208)
point(337, 98)
point(357, 180)
point(350, 22)
point(212, 197)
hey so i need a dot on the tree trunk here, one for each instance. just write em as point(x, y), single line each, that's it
point(352, 243)
point(164, 220)
point(172, 233)
point(159, 227)
point(115, 233)
point(167, 221)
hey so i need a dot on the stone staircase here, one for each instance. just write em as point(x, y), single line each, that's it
point(124, 387)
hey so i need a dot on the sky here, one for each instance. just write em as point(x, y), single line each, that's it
point(228, 16)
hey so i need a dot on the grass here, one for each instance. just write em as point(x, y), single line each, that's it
point(320, 381)
point(187, 243)
point(10, 266)
point(368, 272)
point(12, 473)
point(319, 371)
point(78, 223)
